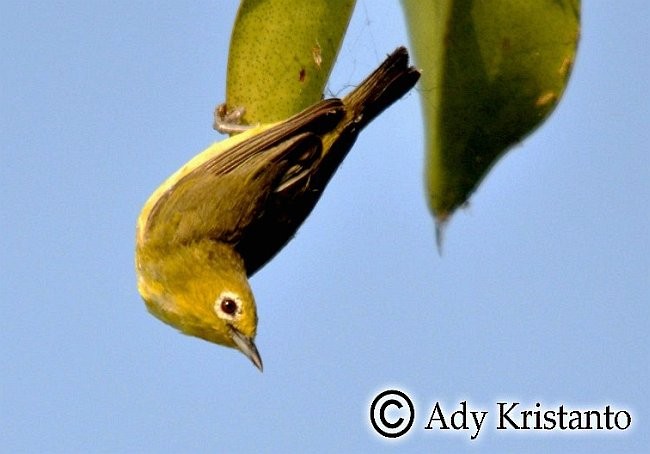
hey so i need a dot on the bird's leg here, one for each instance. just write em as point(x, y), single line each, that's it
point(229, 121)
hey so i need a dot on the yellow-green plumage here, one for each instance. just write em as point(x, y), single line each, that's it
point(230, 209)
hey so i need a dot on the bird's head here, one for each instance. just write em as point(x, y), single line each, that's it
point(201, 289)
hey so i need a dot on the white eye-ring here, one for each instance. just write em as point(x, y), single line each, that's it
point(228, 306)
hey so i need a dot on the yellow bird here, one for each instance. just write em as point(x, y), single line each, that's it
point(230, 209)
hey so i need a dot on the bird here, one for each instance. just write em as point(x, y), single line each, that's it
point(224, 214)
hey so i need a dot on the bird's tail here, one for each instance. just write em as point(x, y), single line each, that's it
point(388, 83)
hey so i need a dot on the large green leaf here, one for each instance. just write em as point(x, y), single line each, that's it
point(492, 71)
point(281, 55)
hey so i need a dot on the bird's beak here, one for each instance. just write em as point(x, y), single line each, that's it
point(247, 347)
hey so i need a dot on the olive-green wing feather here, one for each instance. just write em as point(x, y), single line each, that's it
point(221, 205)
point(318, 119)
point(220, 196)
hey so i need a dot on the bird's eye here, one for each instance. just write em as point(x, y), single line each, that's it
point(228, 306)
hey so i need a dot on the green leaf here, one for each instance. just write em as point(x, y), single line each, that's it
point(281, 55)
point(492, 71)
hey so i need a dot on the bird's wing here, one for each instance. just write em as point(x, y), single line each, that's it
point(220, 192)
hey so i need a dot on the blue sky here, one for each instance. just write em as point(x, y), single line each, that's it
point(541, 294)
